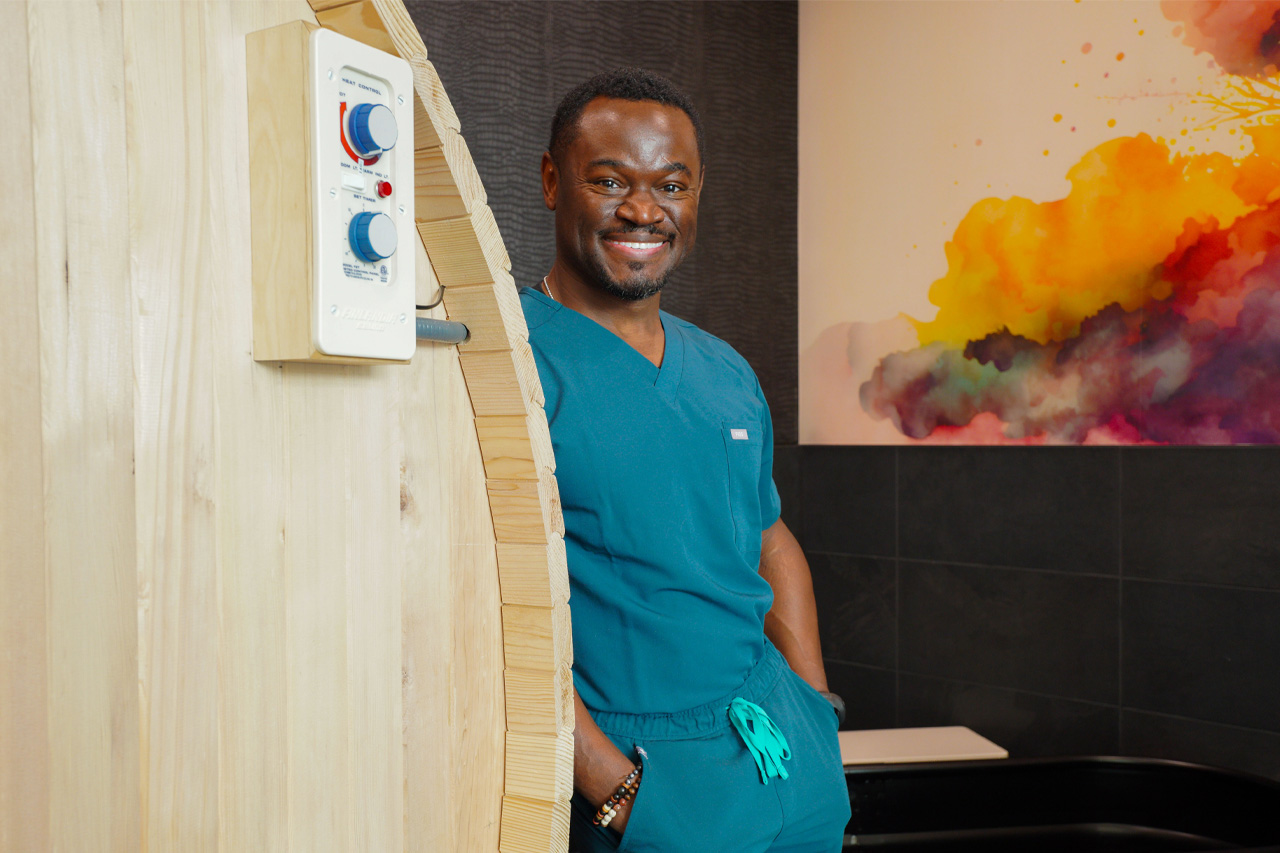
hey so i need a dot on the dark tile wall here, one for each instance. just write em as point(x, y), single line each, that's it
point(1057, 600)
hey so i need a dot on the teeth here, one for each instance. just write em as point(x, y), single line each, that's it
point(636, 245)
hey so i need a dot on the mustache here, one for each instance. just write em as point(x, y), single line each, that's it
point(636, 229)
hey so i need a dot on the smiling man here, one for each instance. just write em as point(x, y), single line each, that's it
point(702, 719)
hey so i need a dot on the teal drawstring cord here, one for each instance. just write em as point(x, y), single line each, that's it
point(768, 746)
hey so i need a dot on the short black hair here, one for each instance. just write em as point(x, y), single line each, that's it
point(628, 84)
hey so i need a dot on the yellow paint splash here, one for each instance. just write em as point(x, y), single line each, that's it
point(1039, 269)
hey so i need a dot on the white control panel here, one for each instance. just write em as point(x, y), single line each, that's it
point(362, 200)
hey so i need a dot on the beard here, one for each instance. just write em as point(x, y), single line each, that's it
point(634, 289)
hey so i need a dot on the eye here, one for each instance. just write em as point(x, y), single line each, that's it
point(608, 183)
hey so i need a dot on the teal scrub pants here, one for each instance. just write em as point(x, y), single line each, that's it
point(701, 790)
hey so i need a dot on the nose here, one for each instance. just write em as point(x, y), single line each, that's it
point(640, 208)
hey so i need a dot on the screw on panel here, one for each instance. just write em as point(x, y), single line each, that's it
point(400, 100)
point(333, 309)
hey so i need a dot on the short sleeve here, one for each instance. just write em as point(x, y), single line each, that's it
point(770, 503)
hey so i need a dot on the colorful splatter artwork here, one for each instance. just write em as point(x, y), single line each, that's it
point(1141, 307)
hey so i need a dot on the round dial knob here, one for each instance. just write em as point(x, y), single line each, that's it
point(373, 129)
point(372, 236)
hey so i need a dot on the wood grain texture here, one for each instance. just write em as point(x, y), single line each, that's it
point(175, 431)
point(538, 701)
point(466, 250)
point(24, 727)
point(534, 826)
point(86, 368)
point(508, 64)
point(253, 606)
point(532, 781)
point(446, 184)
point(359, 20)
point(493, 314)
point(280, 190)
point(536, 637)
point(533, 574)
point(253, 699)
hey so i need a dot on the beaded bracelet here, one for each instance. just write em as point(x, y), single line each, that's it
point(626, 790)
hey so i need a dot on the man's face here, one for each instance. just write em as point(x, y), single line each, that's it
point(625, 193)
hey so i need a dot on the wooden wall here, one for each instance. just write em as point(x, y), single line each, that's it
point(243, 606)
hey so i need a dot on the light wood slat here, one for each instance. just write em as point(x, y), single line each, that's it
point(373, 562)
point(533, 574)
point(539, 702)
point(359, 20)
point(252, 449)
point(540, 439)
point(321, 5)
point(526, 511)
point(494, 384)
point(466, 250)
point(24, 694)
point(491, 312)
point(536, 637)
point(279, 174)
point(431, 383)
point(318, 725)
point(175, 431)
point(532, 754)
point(86, 368)
point(426, 81)
point(534, 826)
point(446, 183)
point(506, 448)
point(403, 31)
point(480, 723)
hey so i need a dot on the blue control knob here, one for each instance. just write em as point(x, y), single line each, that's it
point(373, 129)
point(373, 236)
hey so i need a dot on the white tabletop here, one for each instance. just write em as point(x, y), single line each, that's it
point(903, 746)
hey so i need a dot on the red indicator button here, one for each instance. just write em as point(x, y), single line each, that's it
point(384, 189)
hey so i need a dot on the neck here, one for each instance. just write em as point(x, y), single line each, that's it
point(636, 322)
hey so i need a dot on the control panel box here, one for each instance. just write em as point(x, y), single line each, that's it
point(331, 187)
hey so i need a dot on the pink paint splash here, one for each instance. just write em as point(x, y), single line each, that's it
point(1242, 35)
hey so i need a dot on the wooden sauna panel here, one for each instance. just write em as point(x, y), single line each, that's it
point(250, 606)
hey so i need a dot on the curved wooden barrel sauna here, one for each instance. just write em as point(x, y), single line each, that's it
point(255, 606)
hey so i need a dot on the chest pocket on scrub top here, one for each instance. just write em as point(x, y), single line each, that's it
point(742, 447)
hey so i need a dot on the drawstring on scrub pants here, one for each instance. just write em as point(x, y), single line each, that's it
point(768, 746)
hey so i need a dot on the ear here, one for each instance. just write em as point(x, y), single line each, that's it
point(550, 180)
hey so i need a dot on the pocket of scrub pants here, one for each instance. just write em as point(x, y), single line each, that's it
point(742, 447)
point(637, 824)
point(817, 701)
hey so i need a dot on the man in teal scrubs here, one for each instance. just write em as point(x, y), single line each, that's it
point(702, 716)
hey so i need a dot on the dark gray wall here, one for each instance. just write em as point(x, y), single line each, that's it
point(506, 66)
point(1058, 600)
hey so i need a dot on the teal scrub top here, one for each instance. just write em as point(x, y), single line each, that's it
point(666, 483)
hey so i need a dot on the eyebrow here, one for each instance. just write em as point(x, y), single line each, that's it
point(618, 164)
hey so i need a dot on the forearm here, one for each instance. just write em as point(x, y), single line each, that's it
point(792, 623)
point(598, 765)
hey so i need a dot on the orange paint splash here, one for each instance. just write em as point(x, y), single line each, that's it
point(1039, 270)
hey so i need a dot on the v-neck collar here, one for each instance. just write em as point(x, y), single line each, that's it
point(665, 379)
